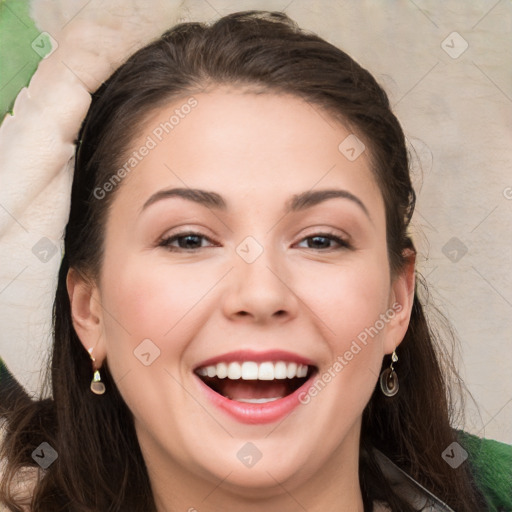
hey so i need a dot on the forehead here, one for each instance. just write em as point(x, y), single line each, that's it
point(243, 144)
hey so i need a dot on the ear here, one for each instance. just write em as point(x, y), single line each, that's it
point(401, 302)
point(86, 313)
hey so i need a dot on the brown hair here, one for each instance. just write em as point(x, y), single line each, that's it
point(100, 465)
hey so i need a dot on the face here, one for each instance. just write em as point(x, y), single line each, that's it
point(254, 275)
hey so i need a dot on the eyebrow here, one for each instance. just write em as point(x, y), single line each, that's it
point(296, 203)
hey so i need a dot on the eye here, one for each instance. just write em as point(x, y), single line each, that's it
point(321, 241)
point(191, 241)
point(187, 241)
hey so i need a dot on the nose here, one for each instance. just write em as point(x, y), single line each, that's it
point(260, 291)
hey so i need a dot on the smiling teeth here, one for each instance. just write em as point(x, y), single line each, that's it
point(257, 400)
point(250, 370)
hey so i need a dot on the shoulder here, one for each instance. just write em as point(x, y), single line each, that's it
point(408, 488)
point(491, 463)
point(23, 484)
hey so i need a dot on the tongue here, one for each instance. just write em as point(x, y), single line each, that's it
point(236, 389)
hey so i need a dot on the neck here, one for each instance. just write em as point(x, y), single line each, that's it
point(334, 486)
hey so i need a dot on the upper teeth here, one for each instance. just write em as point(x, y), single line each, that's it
point(250, 370)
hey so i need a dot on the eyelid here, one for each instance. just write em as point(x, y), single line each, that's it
point(187, 229)
point(326, 230)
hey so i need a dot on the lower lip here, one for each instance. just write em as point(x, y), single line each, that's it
point(257, 414)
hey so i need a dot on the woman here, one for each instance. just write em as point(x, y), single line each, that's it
point(223, 343)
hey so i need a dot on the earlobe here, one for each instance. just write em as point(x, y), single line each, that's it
point(402, 299)
point(86, 314)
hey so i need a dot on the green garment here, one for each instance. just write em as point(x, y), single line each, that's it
point(492, 465)
point(21, 48)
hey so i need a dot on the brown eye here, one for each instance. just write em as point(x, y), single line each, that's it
point(322, 241)
point(187, 241)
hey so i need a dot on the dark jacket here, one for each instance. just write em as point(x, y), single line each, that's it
point(491, 464)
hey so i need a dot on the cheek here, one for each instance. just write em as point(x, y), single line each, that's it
point(149, 315)
point(346, 299)
point(159, 302)
point(350, 304)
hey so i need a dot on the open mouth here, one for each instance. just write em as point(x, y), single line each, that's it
point(255, 383)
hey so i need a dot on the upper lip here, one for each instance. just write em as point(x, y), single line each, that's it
point(252, 355)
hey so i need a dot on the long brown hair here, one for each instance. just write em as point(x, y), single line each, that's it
point(100, 466)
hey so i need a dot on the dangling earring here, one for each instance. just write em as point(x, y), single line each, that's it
point(389, 379)
point(97, 387)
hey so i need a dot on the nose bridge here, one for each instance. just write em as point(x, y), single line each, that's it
point(259, 287)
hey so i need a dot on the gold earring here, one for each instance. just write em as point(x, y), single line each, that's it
point(97, 387)
point(389, 378)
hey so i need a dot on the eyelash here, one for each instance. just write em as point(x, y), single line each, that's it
point(166, 242)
